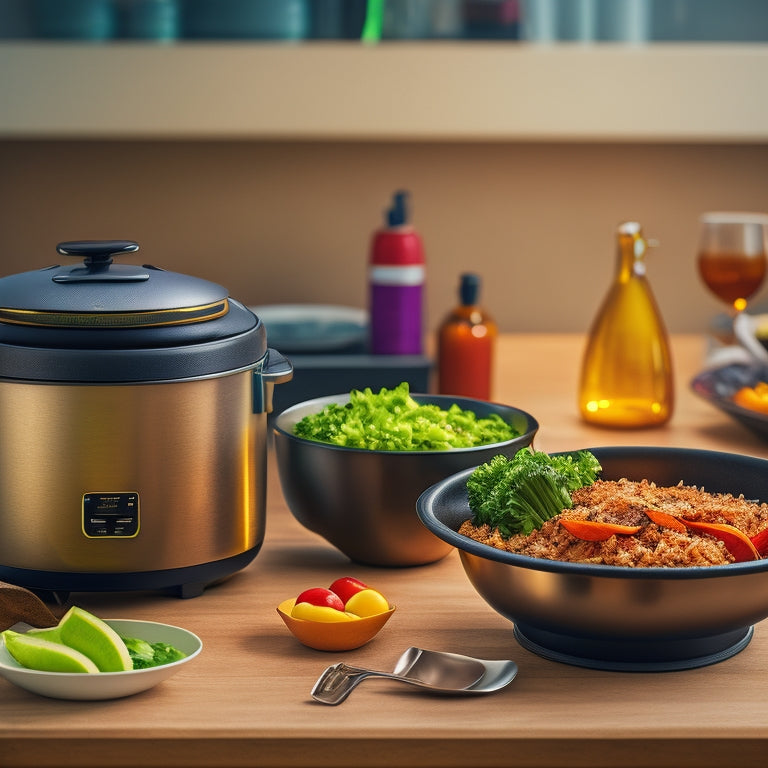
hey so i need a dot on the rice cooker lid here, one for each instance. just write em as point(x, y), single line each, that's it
point(96, 320)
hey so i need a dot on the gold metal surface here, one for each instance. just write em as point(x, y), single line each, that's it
point(193, 451)
point(175, 316)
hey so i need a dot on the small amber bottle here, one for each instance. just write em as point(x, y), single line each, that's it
point(626, 376)
point(466, 345)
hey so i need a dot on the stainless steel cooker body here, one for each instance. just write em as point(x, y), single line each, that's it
point(132, 455)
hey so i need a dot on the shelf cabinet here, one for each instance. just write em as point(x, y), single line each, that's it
point(341, 91)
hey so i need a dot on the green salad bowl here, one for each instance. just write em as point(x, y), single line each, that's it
point(363, 502)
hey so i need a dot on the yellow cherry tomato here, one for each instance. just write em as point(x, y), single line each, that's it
point(367, 602)
point(310, 612)
point(754, 398)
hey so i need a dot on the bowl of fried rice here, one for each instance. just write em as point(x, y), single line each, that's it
point(649, 598)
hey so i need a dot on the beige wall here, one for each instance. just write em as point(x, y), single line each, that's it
point(291, 222)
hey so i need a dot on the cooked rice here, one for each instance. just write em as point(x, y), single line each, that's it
point(623, 502)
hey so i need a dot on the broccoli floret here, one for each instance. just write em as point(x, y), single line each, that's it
point(577, 469)
point(518, 495)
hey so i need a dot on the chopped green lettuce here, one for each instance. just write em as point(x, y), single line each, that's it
point(144, 654)
point(518, 495)
point(391, 420)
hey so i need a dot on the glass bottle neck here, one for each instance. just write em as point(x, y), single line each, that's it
point(631, 253)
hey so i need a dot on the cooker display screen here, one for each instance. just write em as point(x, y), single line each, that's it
point(111, 515)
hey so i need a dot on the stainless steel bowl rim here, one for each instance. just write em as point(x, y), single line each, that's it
point(287, 418)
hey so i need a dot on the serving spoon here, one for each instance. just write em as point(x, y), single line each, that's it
point(437, 671)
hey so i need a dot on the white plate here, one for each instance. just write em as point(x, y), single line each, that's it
point(106, 685)
point(312, 327)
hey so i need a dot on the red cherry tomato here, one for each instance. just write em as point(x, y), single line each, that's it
point(321, 596)
point(347, 586)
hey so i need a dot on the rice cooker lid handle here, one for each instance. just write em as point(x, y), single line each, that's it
point(97, 256)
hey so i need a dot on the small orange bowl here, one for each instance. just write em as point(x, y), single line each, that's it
point(333, 635)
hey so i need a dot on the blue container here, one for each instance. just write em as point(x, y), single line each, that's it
point(151, 20)
point(75, 19)
point(247, 19)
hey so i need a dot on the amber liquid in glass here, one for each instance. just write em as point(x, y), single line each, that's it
point(733, 277)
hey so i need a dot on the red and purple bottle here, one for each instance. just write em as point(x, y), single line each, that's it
point(396, 276)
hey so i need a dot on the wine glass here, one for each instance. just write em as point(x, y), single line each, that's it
point(732, 258)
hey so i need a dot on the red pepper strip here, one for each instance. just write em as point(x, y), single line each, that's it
point(760, 542)
point(665, 520)
point(593, 530)
point(737, 543)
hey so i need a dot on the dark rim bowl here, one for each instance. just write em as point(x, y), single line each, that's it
point(718, 385)
point(611, 617)
point(363, 502)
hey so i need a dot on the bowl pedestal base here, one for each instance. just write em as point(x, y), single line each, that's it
point(642, 655)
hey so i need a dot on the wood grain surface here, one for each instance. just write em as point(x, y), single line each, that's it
point(245, 700)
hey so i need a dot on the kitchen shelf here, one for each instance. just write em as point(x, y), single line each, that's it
point(439, 91)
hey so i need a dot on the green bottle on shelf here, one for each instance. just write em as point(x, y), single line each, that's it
point(626, 375)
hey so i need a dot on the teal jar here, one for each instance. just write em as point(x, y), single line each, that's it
point(158, 20)
point(247, 19)
point(75, 19)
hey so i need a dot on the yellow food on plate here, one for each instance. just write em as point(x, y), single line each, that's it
point(309, 612)
point(753, 398)
point(346, 599)
point(367, 602)
point(333, 635)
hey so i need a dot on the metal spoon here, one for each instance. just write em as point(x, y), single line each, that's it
point(435, 670)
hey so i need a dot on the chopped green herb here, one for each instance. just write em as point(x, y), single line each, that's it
point(391, 420)
point(518, 495)
point(144, 654)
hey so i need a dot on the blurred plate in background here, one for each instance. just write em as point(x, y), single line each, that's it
point(314, 328)
point(718, 385)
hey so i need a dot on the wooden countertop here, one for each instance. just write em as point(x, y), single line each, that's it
point(245, 701)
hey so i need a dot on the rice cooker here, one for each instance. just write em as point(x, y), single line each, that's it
point(133, 426)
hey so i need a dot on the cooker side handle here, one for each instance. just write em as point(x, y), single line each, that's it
point(276, 370)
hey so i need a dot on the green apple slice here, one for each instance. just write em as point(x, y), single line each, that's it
point(46, 633)
point(96, 639)
point(43, 655)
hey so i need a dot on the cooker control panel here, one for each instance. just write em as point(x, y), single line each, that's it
point(111, 515)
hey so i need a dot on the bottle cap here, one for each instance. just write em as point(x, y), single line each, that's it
point(397, 244)
point(399, 214)
point(629, 228)
point(469, 290)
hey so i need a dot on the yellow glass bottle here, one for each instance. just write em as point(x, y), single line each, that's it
point(626, 375)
